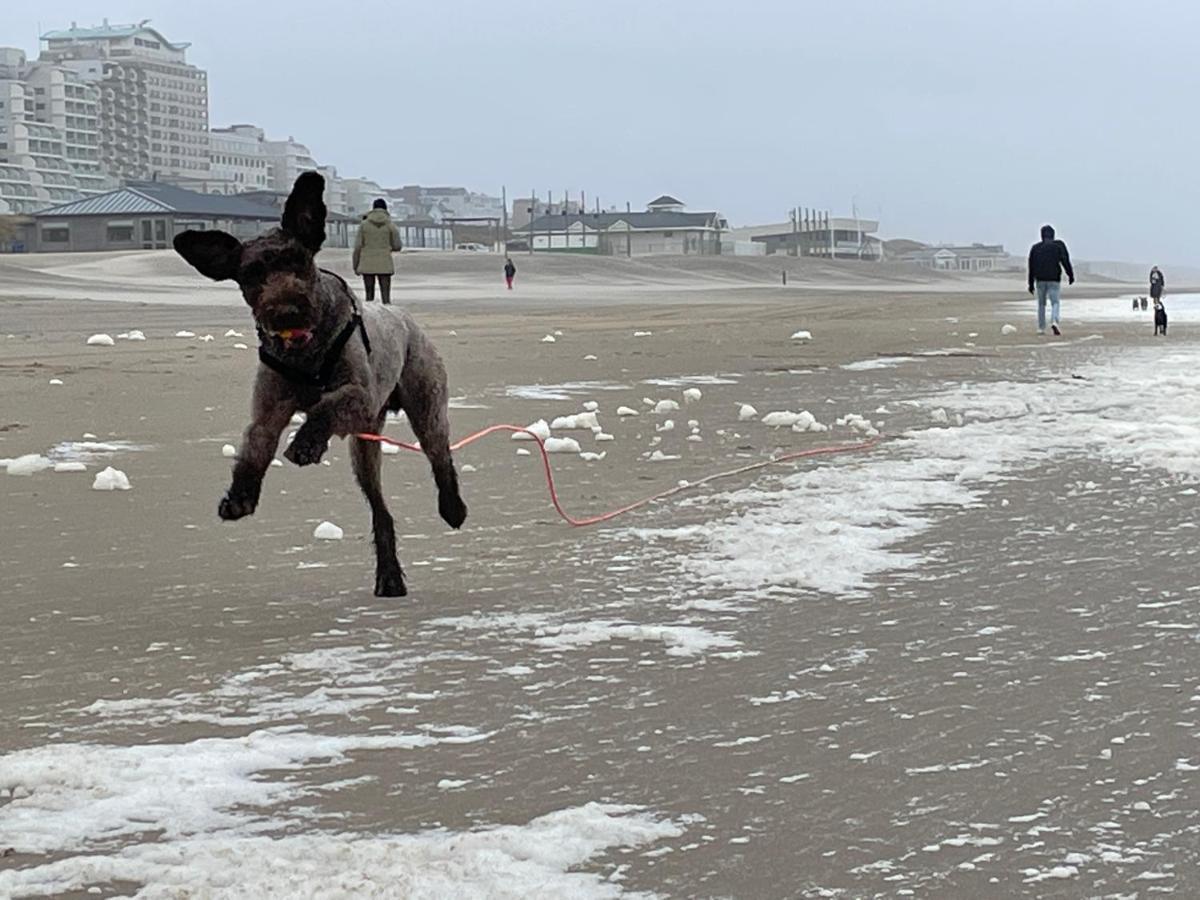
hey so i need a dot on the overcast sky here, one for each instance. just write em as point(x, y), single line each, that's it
point(959, 120)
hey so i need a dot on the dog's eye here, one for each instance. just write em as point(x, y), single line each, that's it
point(253, 272)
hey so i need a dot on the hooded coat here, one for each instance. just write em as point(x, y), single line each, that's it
point(378, 238)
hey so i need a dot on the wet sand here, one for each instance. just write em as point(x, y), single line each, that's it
point(836, 718)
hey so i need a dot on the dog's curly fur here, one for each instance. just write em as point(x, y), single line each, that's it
point(300, 311)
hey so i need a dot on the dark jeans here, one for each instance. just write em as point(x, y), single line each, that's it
point(385, 287)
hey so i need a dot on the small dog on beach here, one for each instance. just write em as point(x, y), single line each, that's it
point(1160, 318)
point(319, 354)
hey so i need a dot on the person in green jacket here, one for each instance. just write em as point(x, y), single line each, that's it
point(378, 239)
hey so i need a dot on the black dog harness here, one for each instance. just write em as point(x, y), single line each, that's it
point(332, 355)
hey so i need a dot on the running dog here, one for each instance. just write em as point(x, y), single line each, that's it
point(343, 367)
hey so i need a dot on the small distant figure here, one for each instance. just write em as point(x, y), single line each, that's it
point(1135, 304)
point(1048, 259)
point(510, 271)
point(1160, 318)
point(1157, 283)
point(378, 239)
point(1143, 304)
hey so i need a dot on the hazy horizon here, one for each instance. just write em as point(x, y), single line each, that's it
point(950, 122)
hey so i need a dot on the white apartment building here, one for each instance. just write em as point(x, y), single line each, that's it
point(49, 135)
point(360, 194)
point(153, 103)
point(237, 160)
point(336, 199)
point(285, 161)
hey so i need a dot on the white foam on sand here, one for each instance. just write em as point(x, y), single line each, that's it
point(838, 527)
point(29, 464)
point(540, 428)
point(100, 340)
point(564, 391)
point(216, 815)
point(561, 445)
point(111, 479)
point(327, 531)
point(679, 640)
point(535, 860)
point(1180, 308)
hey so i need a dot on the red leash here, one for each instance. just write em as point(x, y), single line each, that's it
point(604, 517)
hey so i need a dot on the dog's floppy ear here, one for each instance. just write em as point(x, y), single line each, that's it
point(304, 212)
point(214, 254)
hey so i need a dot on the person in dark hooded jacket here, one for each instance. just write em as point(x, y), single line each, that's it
point(378, 239)
point(1047, 260)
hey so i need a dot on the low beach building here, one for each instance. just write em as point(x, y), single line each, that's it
point(831, 237)
point(949, 258)
point(665, 228)
point(148, 215)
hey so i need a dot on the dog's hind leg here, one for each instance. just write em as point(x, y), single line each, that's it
point(366, 458)
point(423, 394)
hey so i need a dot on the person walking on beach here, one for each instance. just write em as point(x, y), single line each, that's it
point(1157, 283)
point(1048, 259)
point(378, 239)
point(510, 271)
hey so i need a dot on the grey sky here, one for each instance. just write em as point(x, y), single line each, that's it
point(952, 121)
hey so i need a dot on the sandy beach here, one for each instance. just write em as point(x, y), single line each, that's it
point(960, 664)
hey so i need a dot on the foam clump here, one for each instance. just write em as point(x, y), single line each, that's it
point(858, 423)
point(665, 406)
point(185, 334)
point(604, 436)
point(229, 451)
point(1008, 329)
point(624, 411)
point(591, 406)
point(240, 347)
point(111, 479)
point(467, 469)
point(781, 419)
point(234, 334)
point(521, 451)
point(100, 340)
point(132, 335)
point(642, 333)
point(540, 428)
point(561, 445)
point(746, 412)
point(549, 339)
point(327, 531)
point(389, 449)
point(588, 456)
point(584, 421)
point(659, 456)
point(668, 425)
point(70, 466)
point(940, 416)
point(29, 464)
point(802, 336)
point(56, 381)
point(691, 395)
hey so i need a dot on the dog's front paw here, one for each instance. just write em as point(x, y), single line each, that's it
point(235, 506)
point(307, 448)
point(452, 509)
point(390, 583)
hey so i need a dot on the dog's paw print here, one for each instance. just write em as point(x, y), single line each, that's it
point(306, 450)
point(233, 507)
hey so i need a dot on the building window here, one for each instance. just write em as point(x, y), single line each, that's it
point(120, 233)
point(56, 234)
